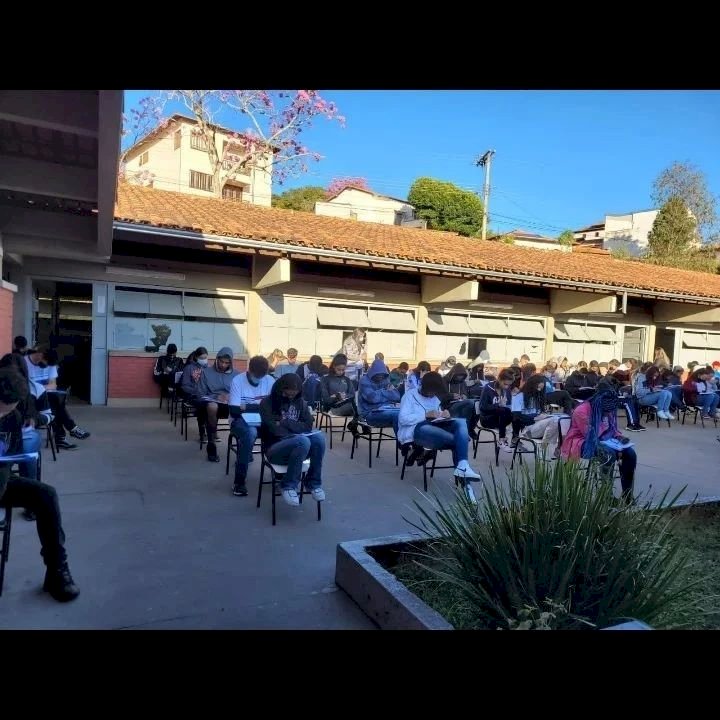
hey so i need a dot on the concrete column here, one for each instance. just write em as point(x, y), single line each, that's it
point(549, 336)
point(650, 342)
point(253, 324)
point(421, 336)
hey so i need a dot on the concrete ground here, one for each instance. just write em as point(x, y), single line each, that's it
point(156, 540)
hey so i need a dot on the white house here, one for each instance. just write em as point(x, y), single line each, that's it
point(173, 157)
point(629, 232)
point(522, 238)
point(354, 203)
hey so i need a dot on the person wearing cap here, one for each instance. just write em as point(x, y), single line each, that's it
point(447, 365)
point(166, 367)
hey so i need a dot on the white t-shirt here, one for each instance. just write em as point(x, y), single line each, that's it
point(40, 377)
point(243, 393)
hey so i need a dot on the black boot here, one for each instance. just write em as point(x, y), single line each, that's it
point(239, 486)
point(212, 455)
point(60, 584)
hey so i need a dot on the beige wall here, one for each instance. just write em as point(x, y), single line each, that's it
point(542, 245)
point(171, 167)
point(365, 207)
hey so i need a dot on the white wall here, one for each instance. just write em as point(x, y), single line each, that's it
point(365, 207)
point(629, 232)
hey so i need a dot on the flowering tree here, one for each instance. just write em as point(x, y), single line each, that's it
point(271, 140)
point(339, 184)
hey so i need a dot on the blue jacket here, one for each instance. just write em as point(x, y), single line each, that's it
point(373, 396)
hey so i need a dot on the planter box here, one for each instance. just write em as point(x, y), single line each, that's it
point(360, 572)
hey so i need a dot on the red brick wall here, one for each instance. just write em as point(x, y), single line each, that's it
point(132, 377)
point(6, 320)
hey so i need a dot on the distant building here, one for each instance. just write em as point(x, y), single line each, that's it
point(592, 235)
point(523, 238)
point(628, 232)
point(354, 203)
point(173, 157)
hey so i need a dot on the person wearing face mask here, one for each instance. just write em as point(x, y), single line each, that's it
point(422, 424)
point(166, 367)
point(337, 390)
point(213, 394)
point(37, 498)
point(247, 391)
point(288, 437)
point(43, 375)
point(378, 399)
point(197, 361)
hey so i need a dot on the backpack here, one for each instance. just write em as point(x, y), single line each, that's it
point(311, 389)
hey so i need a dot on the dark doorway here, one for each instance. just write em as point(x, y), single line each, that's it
point(63, 321)
point(634, 343)
point(475, 347)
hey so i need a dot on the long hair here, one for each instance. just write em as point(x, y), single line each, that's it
point(423, 366)
point(603, 403)
point(532, 397)
point(15, 361)
point(339, 359)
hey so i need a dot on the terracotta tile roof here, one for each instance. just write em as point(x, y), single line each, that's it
point(183, 211)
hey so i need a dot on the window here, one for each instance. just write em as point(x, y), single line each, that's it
point(232, 192)
point(597, 234)
point(177, 139)
point(353, 216)
point(144, 157)
point(198, 142)
point(200, 181)
point(149, 318)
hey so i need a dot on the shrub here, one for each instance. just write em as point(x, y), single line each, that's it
point(554, 549)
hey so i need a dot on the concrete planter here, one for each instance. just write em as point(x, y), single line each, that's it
point(360, 572)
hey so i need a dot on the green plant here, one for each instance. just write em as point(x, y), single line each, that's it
point(553, 538)
point(566, 237)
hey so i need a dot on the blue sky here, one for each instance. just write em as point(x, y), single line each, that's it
point(563, 158)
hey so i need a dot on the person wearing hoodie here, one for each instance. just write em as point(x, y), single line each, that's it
point(288, 437)
point(165, 369)
point(447, 365)
point(247, 391)
point(213, 394)
point(423, 424)
point(378, 399)
point(337, 390)
point(456, 398)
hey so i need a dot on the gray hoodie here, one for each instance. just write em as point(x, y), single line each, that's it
point(213, 382)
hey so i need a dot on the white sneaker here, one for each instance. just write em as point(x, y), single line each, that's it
point(290, 496)
point(318, 494)
point(464, 471)
point(662, 414)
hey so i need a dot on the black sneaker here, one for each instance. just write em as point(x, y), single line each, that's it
point(65, 444)
point(425, 455)
point(413, 455)
point(240, 489)
point(79, 433)
point(29, 515)
point(636, 428)
point(60, 584)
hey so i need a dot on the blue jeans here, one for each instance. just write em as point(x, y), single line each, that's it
point(246, 436)
point(661, 398)
point(292, 451)
point(449, 435)
point(31, 444)
point(709, 403)
point(383, 418)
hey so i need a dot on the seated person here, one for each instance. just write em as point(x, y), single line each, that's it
point(413, 378)
point(594, 421)
point(446, 365)
point(166, 367)
point(556, 397)
point(37, 498)
point(42, 374)
point(288, 438)
point(20, 345)
point(495, 401)
point(578, 385)
point(337, 390)
point(314, 366)
point(288, 365)
point(528, 370)
point(380, 356)
point(377, 399)
point(213, 395)
point(593, 374)
point(673, 384)
point(274, 359)
point(398, 376)
point(649, 391)
point(699, 393)
point(456, 399)
point(247, 391)
point(530, 418)
point(422, 424)
point(197, 361)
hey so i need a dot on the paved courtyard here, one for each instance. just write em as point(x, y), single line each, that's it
point(157, 541)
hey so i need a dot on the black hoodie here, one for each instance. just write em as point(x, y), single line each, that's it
point(282, 418)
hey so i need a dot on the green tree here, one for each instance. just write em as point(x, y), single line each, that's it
point(446, 206)
point(685, 181)
point(302, 198)
point(566, 237)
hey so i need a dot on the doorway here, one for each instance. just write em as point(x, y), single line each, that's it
point(665, 339)
point(63, 322)
point(634, 343)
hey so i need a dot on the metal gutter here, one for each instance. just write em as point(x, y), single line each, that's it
point(340, 254)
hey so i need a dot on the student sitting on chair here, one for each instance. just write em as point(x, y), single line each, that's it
point(422, 424)
point(530, 418)
point(37, 498)
point(649, 391)
point(166, 367)
point(594, 422)
point(699, 393)
point(378, 399)
point(247, 391)
point(456, 398)
point(495, 402)
point(213, 394)
point(412, 381)
point(288, 436)
point(337, 390)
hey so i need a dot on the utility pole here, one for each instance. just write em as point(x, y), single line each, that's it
point(484, 161)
